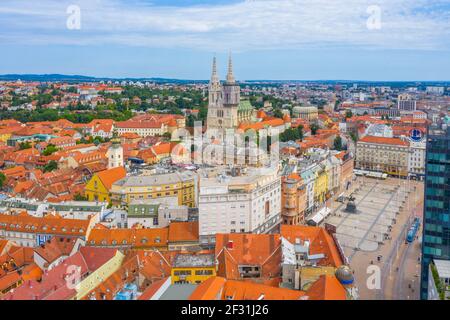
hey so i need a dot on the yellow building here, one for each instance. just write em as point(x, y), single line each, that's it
point(180, 185)
point(193, 268)
point(321, 184)
point(98, 188)
point(5, 135)
point(94, 279)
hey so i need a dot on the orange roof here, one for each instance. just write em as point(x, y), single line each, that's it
point(382, 140)
point(83, 158)
point(320, 242)
point(218, 288)
point(130, 135)
point(31, 272)
point(268, 122)
point(108, 177)
point(210, 289)
point(3, 244)
point(254, 249)
point(156, 237)
point(115, 282)
point(261, 114)
point(162, 148)
point(23, 186)
point(56, 248)
point(152, 289)
point(49, 224)
point(183, 231)
point(294, 176)
point(14, 171)
point(9, 279)
point(327, 288)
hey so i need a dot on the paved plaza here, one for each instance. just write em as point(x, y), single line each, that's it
point(384, 211)
point(378, 206)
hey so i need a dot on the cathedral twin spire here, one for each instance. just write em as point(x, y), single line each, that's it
point(230, 75)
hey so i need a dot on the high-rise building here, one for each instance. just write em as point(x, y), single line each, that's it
point(436, 228)
point(406, 103)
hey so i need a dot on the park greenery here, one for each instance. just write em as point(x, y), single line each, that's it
point(292, 134)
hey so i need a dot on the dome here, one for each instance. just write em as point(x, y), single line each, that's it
point(286, 118)
point(345, 275)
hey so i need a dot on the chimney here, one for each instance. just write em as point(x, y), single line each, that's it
point(230, 244)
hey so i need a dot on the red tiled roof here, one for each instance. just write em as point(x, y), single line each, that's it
point(236, 249)
point(320, 242)
point(383, 140)
point(108, 177)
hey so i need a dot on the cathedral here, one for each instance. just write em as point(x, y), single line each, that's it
point(226, 110)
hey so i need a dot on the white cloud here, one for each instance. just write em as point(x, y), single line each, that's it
point(251, 24)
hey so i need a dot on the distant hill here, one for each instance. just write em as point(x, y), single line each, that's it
point(79, 78)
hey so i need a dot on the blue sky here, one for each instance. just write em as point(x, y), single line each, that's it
point(270, 39)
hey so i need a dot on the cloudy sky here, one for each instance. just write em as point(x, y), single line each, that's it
point(269, 39)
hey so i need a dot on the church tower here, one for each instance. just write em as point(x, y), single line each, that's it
point(231, 98)
point(115, 152)
point(214, 98)
point(223, 100)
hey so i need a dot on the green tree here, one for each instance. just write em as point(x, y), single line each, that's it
point(190, 121)
point(292, 134)
point(51, 166)
point(24, 145)
point(79, 197)
point(167, 136)
point(300, 132)
point(278, 114)
point(348, 114)
point(314, 128)
point(50, 150)
point(2, 180)
point(338, 143)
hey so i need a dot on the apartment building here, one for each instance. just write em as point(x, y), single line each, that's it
point(389, 155)
point(238, 201)
point(181, 185)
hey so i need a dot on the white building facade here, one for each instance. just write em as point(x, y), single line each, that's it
point(247, 203)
